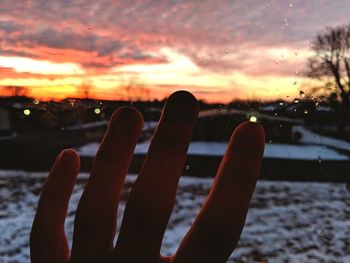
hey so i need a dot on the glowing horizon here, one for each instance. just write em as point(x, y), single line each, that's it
point(150, 50)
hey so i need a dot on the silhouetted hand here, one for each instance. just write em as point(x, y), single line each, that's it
point(213, 235)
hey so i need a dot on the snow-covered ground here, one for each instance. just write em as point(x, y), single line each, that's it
point(287, 222)
point(310, 137)
point(272, 150)
point(313, 147)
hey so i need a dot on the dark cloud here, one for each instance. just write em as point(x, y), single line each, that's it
point(67, 40)
point(9, 27)
point(16, 53)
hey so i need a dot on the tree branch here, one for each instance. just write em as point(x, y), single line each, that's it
point(347, 69)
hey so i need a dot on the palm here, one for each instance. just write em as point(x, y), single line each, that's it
point(213, 235)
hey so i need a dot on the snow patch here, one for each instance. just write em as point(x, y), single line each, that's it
point(277, 151)
point(287, 221)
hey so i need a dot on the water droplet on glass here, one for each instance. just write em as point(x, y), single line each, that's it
point(290, 5)
point(302, 94)
point(296, 101)
point(187, 167)
point(306, 112)
point(286, 22)
point(319, 159)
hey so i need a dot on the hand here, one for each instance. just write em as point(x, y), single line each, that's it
point(213, 235)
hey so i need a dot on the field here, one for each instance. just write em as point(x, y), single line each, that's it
point(287, 222)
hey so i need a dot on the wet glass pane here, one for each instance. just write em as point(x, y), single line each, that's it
point(66, 66)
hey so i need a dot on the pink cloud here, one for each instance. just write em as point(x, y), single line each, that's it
point(99, 35)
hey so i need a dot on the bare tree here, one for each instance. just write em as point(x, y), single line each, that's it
point(134, 90)
point(86, 88)
point(16, 91)
point(331, 64)
point(128, 88)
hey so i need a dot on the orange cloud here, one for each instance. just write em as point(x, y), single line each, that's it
point(253, 48)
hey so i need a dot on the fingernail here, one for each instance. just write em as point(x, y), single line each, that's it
point(181, 106)
point(249, 139)
point(127, 118)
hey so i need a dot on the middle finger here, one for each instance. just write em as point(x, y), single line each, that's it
point(153, 195)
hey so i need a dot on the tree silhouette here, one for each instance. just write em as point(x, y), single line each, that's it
point(85, 88)
point(134, 90)
point(330, 63)
point(15, 91)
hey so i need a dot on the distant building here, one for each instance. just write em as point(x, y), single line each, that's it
point(5, 122)
point(272, 108)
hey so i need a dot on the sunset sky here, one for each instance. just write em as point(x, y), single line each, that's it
point(219, 50)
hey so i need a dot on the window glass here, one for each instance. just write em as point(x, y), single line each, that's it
point(66, 66)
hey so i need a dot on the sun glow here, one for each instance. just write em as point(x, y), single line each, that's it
point(28, 65)
point(207, 48)
point(178, 71)
point(181, 70)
